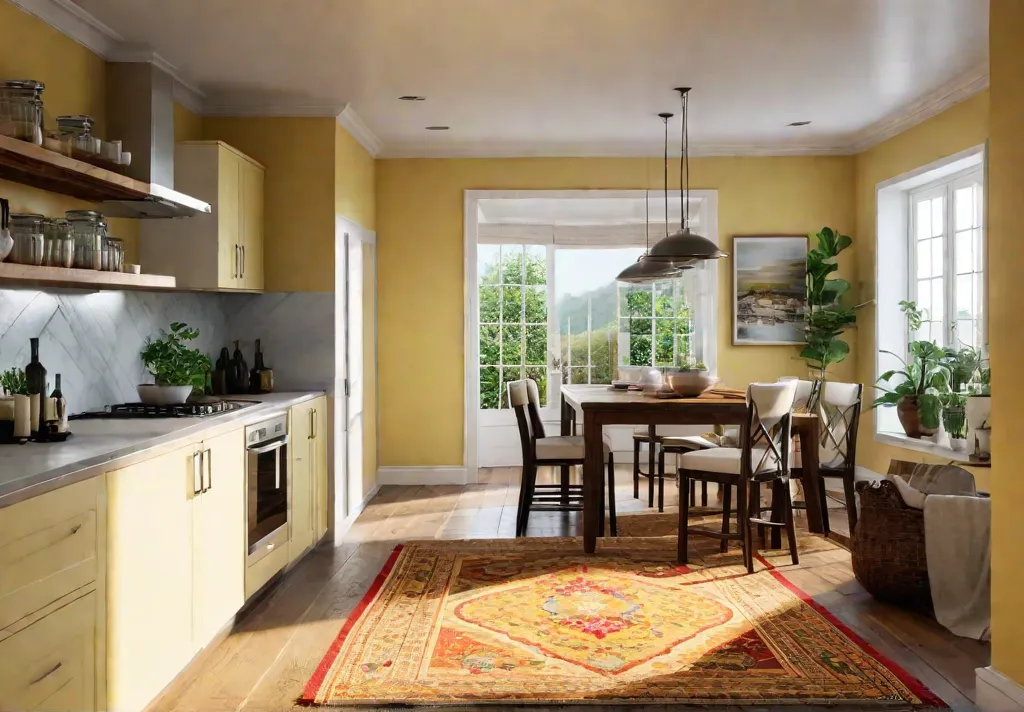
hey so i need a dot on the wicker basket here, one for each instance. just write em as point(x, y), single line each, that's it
point(888, 548)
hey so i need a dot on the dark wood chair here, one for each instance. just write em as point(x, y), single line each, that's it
point(561, 451)
point(839, 407)
point(663, 438)
point(763, 457)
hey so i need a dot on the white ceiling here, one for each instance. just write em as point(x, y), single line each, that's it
point(575, 77)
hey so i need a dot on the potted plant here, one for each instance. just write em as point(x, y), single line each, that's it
point(690, 380)
point(962, 364)
point(15, 410)
point(979, 410)
point(828, 315)
point(176, 368)
point(924, 379)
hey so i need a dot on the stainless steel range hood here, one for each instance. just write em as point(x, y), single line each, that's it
point(140, 112)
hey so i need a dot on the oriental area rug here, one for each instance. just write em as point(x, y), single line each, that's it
point(535, 621)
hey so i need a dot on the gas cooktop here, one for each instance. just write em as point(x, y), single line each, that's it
point(198, 409)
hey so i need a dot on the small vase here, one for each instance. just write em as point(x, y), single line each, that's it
point(958, 444)
point(22, 416)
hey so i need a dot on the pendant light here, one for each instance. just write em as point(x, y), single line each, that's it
point(643, 270)
point(684, 247)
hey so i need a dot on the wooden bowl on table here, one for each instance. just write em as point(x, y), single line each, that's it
point(690, 384)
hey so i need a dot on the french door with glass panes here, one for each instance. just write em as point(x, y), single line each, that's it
point(556, 314)
point(947, 259)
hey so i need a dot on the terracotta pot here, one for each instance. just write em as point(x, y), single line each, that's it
point(910, 419)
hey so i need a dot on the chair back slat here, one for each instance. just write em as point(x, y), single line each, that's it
point(766, 429)
point(519, 399)
point(839, 409)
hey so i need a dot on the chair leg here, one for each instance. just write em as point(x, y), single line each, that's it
point(787, 503)
point(565, 484)
point(651, 464)
point(726, 506)
point(661, 480)
point(530, 482)
point(684, 521)
point(851, 501)
point(611, 496)
point(743, 519)
point(601, 508)
point(636, 469)
point(703, 494)
point(693, 492)
point(755, 511)
point(523, 501)
point(823, 507)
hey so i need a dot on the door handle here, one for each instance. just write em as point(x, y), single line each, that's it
point(197, 474)
point(234, 268)
point(312, 424)
point(46, 674)
point(243, 261)
point(208, 456)
point(277, 469)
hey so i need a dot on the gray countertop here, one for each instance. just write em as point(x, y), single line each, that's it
point(33, 468)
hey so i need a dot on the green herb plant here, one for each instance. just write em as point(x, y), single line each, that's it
point(925, 377)
point(828, 313)
point(172, 362)
point(14, 382)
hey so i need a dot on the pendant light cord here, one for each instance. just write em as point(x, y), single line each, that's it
point(684, 160)
point(665, 118)
point(647, 221)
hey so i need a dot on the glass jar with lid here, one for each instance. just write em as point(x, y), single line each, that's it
point(88, 230)
point(60, 243)
point(21, 109)
point(29, 243)
point(114, 254)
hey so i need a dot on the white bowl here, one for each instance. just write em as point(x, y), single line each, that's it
point(690, 384)
point(152, 394)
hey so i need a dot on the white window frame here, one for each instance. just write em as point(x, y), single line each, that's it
point(893, 277)
point(585, 237)
point(946, 188)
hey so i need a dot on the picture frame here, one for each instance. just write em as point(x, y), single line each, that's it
point(769, 290)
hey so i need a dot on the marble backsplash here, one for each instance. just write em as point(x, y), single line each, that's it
point(93, 339)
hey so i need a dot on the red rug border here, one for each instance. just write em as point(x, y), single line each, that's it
point(320, 674)
point(928, 698)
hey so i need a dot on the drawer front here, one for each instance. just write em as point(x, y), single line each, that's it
point(48, 548)
point(264, 570)
point(55, 667)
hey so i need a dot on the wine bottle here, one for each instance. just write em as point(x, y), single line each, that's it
point(61, 407)
point(35, 372)
point(239, 371)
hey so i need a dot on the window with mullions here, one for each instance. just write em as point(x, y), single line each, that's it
point(513, 334)
point(655, 324)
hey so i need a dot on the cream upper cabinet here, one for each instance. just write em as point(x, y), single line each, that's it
point(222, 250)
point(300, 451)
point(149, 575)
point(218, 526)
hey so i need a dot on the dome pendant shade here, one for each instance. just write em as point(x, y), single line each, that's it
point(683, 248)
point(644, 271)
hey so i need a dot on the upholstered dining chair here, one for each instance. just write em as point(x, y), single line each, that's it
point(540, 450)
point(763, 457)
point(839, 407)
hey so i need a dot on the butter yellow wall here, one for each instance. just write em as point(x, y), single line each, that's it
point(1006, 337)
point(187, 126)
point(960, 127)
point(75, 84)
point(420, 253)
point(298, 251)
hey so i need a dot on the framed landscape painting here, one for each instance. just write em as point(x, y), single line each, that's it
point(769, 290)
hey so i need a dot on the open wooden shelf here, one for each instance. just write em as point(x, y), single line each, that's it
point(23, 162)
point(28, 275)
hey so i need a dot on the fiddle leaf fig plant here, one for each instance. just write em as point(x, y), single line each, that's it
point(172, 362)
point(828, 314)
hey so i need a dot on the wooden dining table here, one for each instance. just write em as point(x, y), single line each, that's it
point(599, 406)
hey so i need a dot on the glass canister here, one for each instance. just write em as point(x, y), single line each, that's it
point(60, 243)
point(88, 230)
point(21, 109)
point(113, 254)
point(29, 243)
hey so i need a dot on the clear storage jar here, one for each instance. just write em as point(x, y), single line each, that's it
point(60, 243)
point(114, 257)
point(21, 110)
point(29, 243)
point(88, 230)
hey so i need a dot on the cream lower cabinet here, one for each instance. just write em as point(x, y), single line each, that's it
point(176, 563)
point(308, 448)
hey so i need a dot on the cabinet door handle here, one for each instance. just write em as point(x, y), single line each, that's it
point(208, 456)
point(312, 424)
point(46, 674)
point(243, 261)
point(197, 474)
point(234, 267)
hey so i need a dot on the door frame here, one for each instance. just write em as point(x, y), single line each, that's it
point(471, 314)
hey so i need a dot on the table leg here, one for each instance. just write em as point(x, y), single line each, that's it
point(811, 475)
point(593, 481)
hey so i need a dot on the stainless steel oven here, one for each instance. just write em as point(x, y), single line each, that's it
point(267, 483)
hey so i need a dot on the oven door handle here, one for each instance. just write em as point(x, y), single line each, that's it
point(275, 444)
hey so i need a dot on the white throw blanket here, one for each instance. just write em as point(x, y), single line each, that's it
point(957, 542)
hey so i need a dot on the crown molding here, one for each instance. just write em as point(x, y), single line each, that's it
point(958, 89)
point(320, 111)
point(491, 149)
point(351, 122)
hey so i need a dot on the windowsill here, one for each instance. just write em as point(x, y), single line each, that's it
point(921, 445)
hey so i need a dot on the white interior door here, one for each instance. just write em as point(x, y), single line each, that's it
point(354, 423)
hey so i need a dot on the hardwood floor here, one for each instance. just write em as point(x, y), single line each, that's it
point(265, 661)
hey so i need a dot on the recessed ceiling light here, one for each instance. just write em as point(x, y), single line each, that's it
point(412, 97)
point(438, 128)
point(799, 123)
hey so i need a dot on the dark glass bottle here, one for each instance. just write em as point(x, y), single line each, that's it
point(35, 372)
point(60, 405)
point(257, 367)
point(239, 371)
